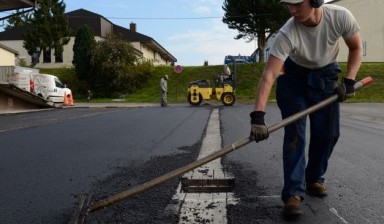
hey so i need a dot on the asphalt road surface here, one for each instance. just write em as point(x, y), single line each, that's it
point(49, 158)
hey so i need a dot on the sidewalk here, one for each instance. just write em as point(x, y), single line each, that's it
point(87, 105)
point(114, 105)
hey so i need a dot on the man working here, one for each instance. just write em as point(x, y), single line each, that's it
point(226, 73)
point(307, 46)
point(163, 91)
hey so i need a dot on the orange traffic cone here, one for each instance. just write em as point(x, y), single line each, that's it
point(66, 101)
point(71, 103)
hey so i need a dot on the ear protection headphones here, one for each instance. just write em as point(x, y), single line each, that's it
point(317, 3)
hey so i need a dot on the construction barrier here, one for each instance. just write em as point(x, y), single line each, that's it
point(66, 100)
point(71, 102)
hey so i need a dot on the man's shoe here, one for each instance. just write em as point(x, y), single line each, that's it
point(317, 189)
point(292, 206)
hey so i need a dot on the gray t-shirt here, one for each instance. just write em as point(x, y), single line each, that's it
point(315, 47)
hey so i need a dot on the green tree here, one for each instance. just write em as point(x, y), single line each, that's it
point(134, 77)
point(255, 19)
point(82, 52)
point(49, 30)
point(111, 60)
point(19, 18)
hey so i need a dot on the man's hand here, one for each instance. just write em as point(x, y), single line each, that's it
point(345, 89)
point(259, 131)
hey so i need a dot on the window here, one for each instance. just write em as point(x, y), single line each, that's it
point(35, 59)
point(59, 58)
point(47, 55)
point(58, 83)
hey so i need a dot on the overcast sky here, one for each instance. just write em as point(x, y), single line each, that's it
point(192, 31)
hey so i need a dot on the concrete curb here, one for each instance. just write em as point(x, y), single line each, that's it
point(87, 105)
point(113, 105)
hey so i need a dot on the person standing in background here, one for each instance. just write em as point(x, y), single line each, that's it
point(163, 91)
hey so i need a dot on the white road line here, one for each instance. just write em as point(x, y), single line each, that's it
point(334, 211)
point(205, 207)
point(269, 196)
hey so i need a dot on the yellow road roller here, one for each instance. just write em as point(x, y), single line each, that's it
point(223, 89)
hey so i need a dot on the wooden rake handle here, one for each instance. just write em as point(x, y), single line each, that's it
point(238, 144)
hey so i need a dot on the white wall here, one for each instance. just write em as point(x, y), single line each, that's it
point(148, 54)
point(7, 58)
point(369, 15)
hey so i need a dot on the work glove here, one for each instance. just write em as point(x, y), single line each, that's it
point(259, 131)
point(345, 89)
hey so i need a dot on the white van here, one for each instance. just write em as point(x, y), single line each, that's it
point(49, 87)
point(44, 85)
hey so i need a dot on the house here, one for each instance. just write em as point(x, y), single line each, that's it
point(7, 55)
point(12, 98)
point(268, 44)
point(8, 58)
point(7, 5)
point(368, 14)
point(147, 49)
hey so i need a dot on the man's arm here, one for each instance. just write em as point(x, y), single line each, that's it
point(259, 130)
point(355, 55)
point(346, 88)
point(271, 70)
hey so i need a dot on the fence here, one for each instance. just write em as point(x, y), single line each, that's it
point(5, 71)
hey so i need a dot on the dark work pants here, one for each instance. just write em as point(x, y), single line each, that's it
point(163, 98)
point(295, 94)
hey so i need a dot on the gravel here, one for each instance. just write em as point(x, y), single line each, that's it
point(146, 207)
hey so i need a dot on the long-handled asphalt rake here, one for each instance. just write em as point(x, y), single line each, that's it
point(82, 211)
